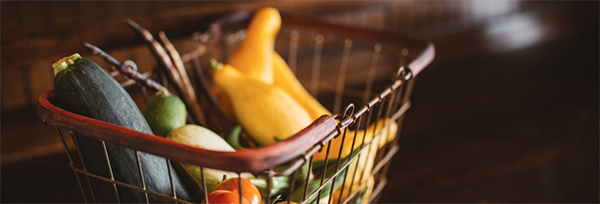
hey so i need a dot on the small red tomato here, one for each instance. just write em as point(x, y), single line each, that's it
point(249, 190)
point(225, 197)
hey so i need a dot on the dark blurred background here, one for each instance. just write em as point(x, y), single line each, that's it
point(506, 113)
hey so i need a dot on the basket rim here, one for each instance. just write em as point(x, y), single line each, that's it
point(255, 160)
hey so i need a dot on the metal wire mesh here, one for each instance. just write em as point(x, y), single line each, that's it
point(336, 69)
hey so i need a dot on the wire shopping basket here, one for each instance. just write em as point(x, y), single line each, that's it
point(339, 65)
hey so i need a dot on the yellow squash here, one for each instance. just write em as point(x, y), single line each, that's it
point(360, 169)
point(224, 102)
point(363, 165)
point(286, 80)
point(266, 112)
point(254, 56)
point(336, 143)
point(201, 137)
point(365, 193)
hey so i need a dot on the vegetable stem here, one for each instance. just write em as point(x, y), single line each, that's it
point(234, 138)
point(63, 64)
point(127, 70)
point(179, 66)
point(164, 59)
point(215, 65)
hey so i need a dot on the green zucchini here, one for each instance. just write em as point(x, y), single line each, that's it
point(83, 87)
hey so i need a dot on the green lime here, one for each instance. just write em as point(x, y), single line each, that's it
point(165, 113)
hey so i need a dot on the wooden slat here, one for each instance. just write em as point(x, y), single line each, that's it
point(14, 95)
point(10, 20)
point(41, 78)
point(34, 14)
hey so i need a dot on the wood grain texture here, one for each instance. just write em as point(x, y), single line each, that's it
point(16, 96)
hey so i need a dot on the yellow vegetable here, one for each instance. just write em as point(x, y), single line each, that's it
point(389, 133)
point(254, 56)
point(266, 112)
point(201, 137)
point(363, 168)
point(224, 102)
point(360, 169)
point(286, 80)
point(339, 197)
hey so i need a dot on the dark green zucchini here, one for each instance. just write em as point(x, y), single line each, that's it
point(82, 86)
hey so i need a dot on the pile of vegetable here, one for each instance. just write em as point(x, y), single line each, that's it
point(251, 100)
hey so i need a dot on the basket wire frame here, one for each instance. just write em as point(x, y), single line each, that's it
point(392, 103)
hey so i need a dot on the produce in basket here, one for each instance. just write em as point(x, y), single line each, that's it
point(249, 191)
point(314, 185)
point(279, 184)
point(266, 112)
point(164, 113)
point(83, 87)
point(246, 63)
point(362, 197)
point(286, 80)
point(384, 132)
point(257, 59)
point(200, 137)
point(254, 56)
point(359, 170)
point(225, 197)
point(362, 166)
